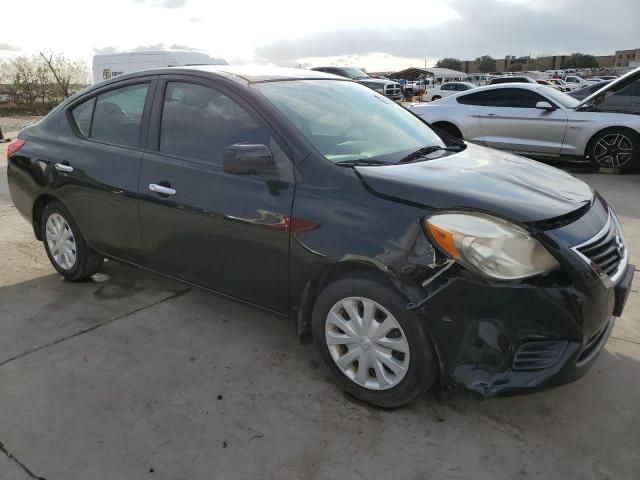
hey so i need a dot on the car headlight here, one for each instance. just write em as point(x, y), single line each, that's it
point(379, 89)
point(494, 247)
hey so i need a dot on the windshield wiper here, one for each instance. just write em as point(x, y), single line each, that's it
point(423, 152)
point(362, 162)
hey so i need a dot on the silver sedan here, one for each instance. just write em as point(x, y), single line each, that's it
point(539, 121)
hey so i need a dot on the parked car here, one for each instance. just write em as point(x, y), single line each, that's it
point(584, 92)
point(388, 88)
point(408, 256)
point(537, 120)
point(621, 95)
point(609, 77)
point(548, 84)
point(575, 82)
point(108, 65)
point(447, 89)
point(511, 79)
point(561, 84)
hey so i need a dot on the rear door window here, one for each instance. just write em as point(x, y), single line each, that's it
point(118, 115)
point(200, 123)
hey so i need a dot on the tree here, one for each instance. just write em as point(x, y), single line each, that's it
point(452, 63)
point(23, 73)
point(66, 73)
point(580, 60)
point(486, 64)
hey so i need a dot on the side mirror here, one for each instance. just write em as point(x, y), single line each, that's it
point(545, 106)
point(247, 159)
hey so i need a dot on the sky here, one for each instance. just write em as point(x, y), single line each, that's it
point(370, 34)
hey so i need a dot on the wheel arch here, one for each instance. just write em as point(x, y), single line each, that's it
point(333, 271)
point(446, 124)
point(38, 209)
point(594, 135)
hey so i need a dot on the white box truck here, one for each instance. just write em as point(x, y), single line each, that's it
point(110, 65)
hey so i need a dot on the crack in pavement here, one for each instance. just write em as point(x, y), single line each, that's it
point(625, 340)
point(26, 469)
point(93, 327)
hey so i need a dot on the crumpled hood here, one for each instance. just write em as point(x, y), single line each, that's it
point(481, 178)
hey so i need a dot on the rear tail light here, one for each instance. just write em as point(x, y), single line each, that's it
point(13, 147)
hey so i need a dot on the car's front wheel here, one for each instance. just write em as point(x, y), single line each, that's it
point(614, 148)
point(65, 246)
point(376, 349)
point(435, 97)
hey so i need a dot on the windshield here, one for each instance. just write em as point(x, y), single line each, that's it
point(561, 98)
point(347, 121)
point(355, 74)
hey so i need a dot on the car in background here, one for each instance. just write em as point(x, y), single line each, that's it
point(447, 89)
point(536, 120)
point(575, 82)
point(388, 88)
point(609, 77)
point(409, 257)
point(561, 84)
point(109, 65)
point(511, 79)
point(548, 84)
point(584, 92)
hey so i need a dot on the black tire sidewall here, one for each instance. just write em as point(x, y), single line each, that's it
point(635, 153)
point(82, 253)
point(423, 364)
point(436, 97)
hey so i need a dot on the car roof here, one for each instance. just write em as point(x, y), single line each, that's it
point(501, 86)
point(241, 74)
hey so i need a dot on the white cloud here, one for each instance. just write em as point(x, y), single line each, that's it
point(288, 31)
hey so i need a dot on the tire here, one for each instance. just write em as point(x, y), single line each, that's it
point(73, 260)
point(435, 97)
point(614, 148)
point(378, 385)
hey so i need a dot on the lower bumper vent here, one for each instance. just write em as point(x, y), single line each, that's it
point(538, 355)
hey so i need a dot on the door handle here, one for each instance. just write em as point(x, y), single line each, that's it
point(61, 167)
point(162, 190)
point(491, 114)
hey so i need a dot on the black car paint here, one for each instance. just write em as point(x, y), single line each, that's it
point(280, 238)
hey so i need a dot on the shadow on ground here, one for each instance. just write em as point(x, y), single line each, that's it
point(139, 376)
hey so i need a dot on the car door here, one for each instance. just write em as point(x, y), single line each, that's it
point(225, 232)
point(510, 121)
point(98, 164)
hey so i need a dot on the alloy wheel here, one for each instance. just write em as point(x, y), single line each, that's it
point(613, 151)
point(367, 343)
point(61, 242)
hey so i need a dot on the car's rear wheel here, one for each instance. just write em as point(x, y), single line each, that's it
point(65, 246)
point(376, 349)
point(435, 97)
point(614, 148)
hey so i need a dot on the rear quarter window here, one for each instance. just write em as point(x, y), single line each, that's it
point(478, 98)
point(82, 116)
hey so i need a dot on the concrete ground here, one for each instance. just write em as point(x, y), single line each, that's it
point(135, 376)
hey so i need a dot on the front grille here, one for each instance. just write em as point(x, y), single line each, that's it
point(392, 90)
point(606, 253)
point(538, 355)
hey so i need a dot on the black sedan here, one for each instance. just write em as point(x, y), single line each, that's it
point(409, 257)
point(584, 92)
